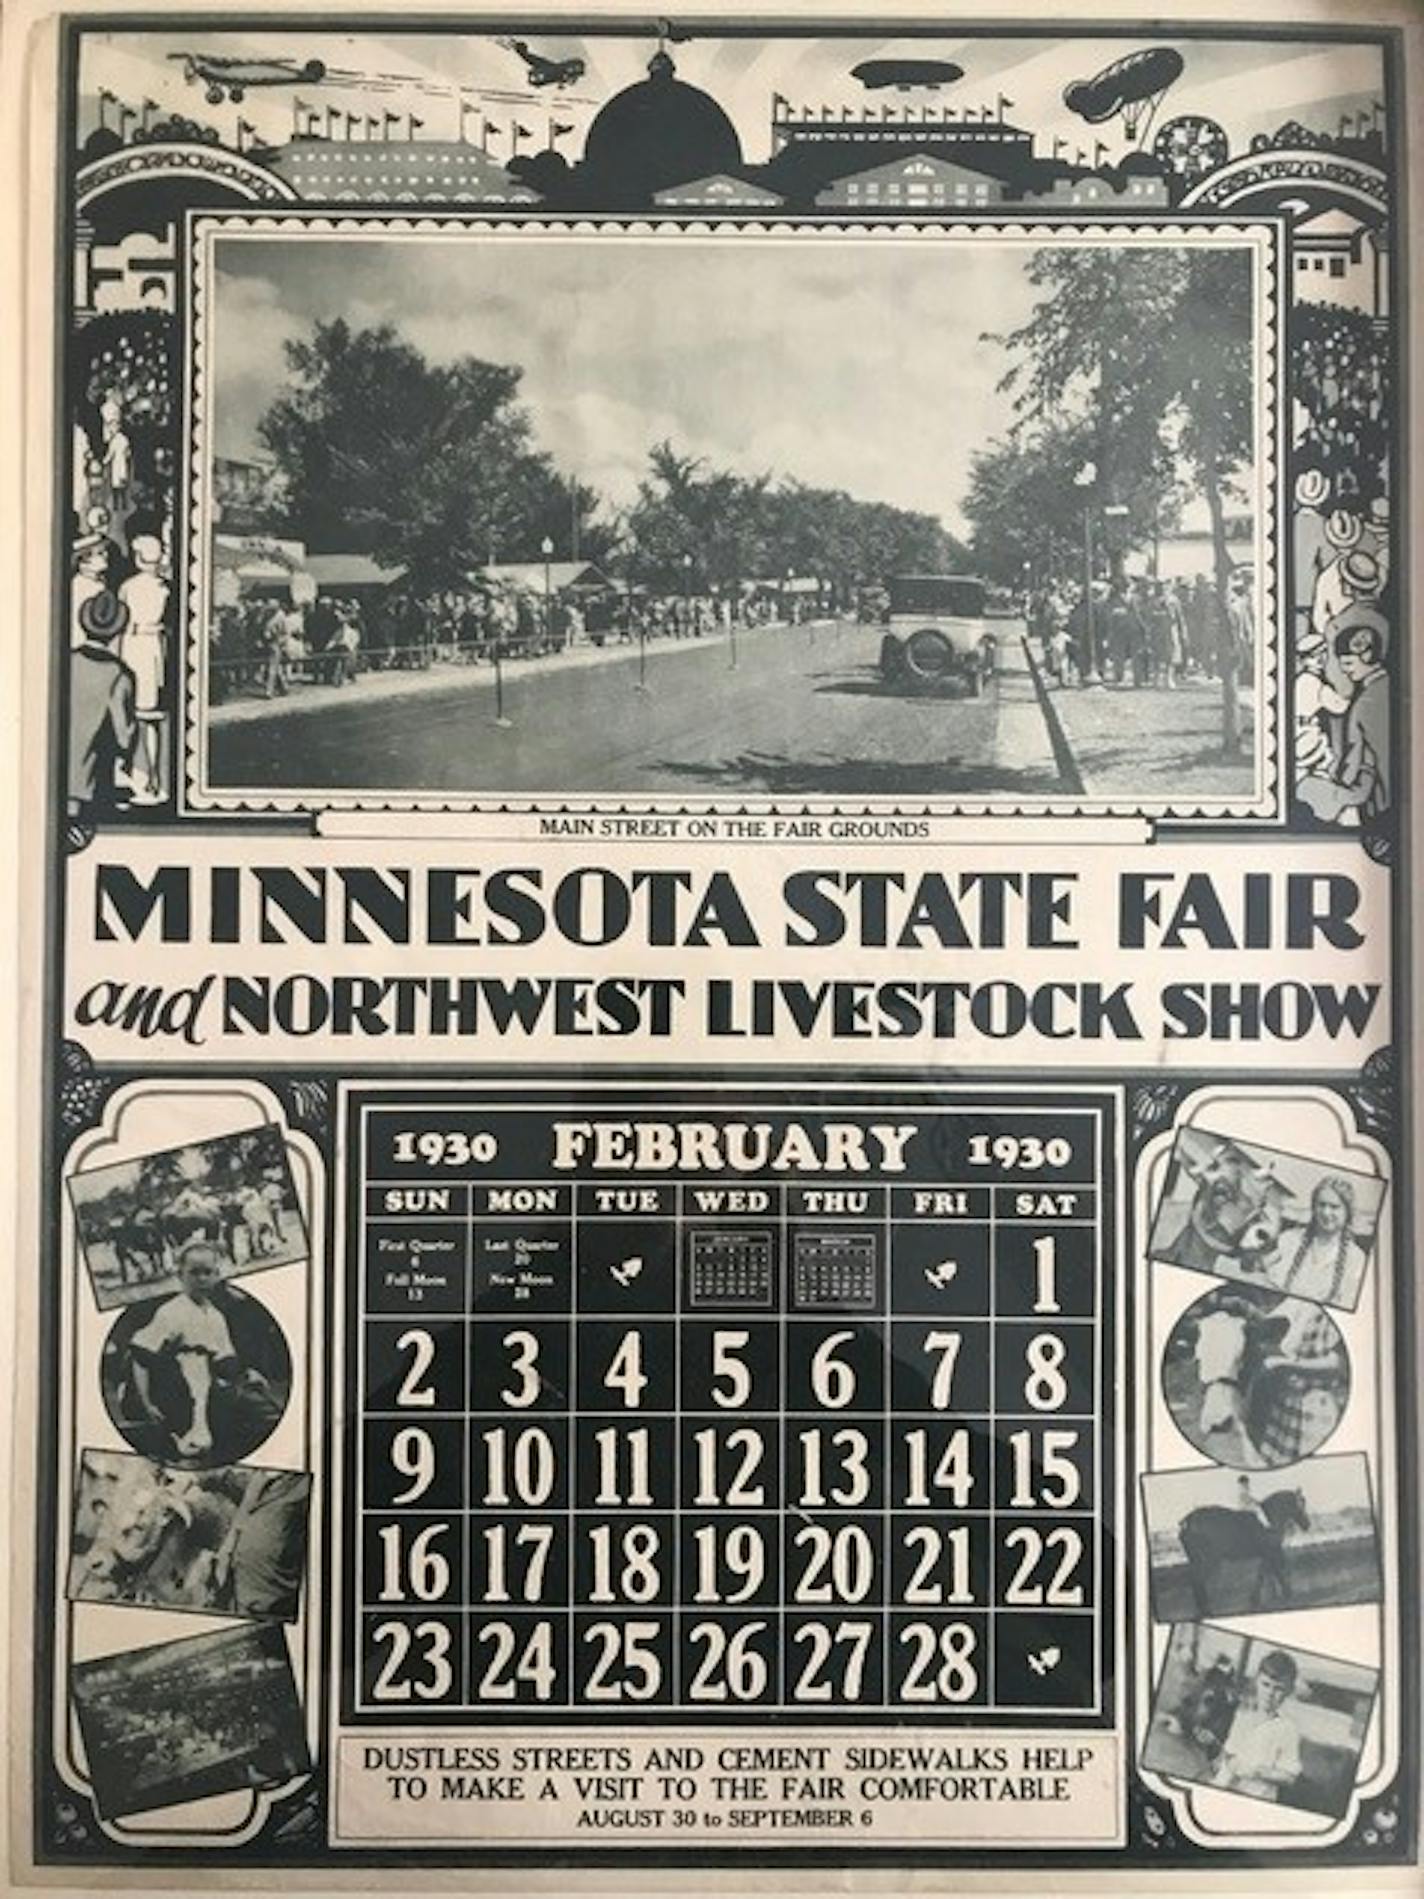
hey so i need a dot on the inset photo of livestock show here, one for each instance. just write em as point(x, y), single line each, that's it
point(945, 517)
point(234, 1194)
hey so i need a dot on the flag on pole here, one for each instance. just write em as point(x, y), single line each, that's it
point(1099, 151)
point(1004, 105)
point(779, 105)
point(559, 130)
point(520, 131)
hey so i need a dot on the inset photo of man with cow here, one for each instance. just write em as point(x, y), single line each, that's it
point(137, 1218)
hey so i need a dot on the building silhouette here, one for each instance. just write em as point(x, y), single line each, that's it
point(398, 171)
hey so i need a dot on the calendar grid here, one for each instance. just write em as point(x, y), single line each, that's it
point(778, 1560)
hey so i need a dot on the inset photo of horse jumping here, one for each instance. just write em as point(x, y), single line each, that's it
point(215, 1542)
point(235, 1192)
point(1241, 1211)
point(1230, 1542)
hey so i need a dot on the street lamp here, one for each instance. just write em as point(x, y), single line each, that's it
point(687, 594)
point(642, 685)
point(1085, 479)
point(546, 548)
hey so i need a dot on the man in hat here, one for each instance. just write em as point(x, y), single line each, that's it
point(1261, 1755)
point(102, 722)
point(1310, 547)
point(1374, 538)
point(1361, 639)
point(91, 570)
point(1349, 573)
point(1241, 622)
point(142, 649)
point(1319, 708)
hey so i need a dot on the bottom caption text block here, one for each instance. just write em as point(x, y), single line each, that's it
point(912, 1786)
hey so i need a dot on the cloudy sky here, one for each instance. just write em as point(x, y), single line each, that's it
point(1247, 85)
point(865, 372)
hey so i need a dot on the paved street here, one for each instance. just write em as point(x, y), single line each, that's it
point(804, 713)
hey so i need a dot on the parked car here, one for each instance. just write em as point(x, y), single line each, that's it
point(938, 634)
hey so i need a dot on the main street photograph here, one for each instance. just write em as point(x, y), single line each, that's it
point(954, 518)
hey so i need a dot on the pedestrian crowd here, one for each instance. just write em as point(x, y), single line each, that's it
point(1143, 631)
point(269, 645)
point(1343, 616)
point(1341, 402)
point(120, 585)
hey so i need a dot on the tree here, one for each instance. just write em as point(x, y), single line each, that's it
point(1025, 503)
point(426, 466)
point(1148, 351)
point(716, 528)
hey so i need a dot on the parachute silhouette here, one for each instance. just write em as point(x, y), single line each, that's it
point(1132, 86)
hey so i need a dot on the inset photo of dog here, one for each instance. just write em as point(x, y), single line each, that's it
point(1266, 1218)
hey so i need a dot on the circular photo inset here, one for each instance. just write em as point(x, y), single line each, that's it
point(1255, 1378)
point(201, 1376)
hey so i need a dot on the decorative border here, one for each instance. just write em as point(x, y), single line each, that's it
point(1263, 237)
point(1376, 1318)
point(76, 1627)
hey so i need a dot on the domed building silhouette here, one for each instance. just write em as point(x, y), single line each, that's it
point(654, 134)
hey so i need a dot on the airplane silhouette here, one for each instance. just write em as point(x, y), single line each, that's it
point(231, 78)
point(542, 71)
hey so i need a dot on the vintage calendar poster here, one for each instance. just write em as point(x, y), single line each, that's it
point(716, 1158)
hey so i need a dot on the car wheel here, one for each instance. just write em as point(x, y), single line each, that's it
point(929, 656)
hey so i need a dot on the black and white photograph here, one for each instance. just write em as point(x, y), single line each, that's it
point(1252, 1716)
point(217, 1542)
point(1224, 1542)
point(137, 1218)
point(1281, 1221)
point(1255, 1379)
point(198, 1378)
point(184, 1720)
point(493, 551)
